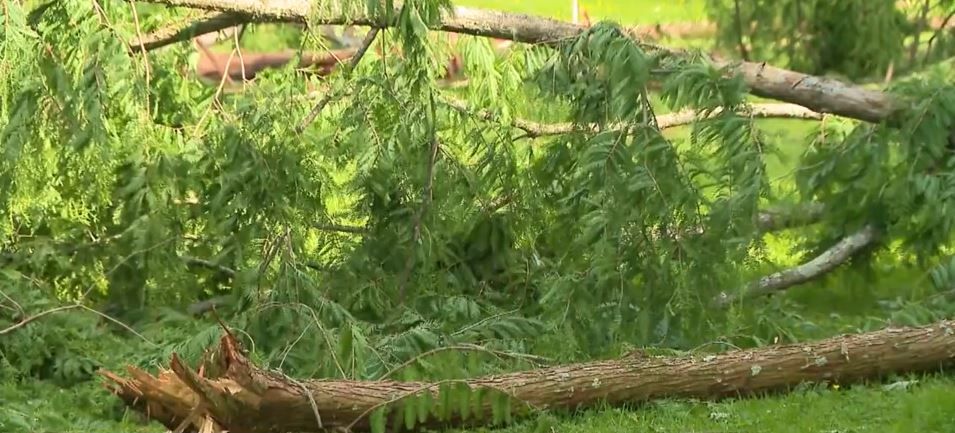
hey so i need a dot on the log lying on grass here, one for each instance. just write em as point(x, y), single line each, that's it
point(236, 396)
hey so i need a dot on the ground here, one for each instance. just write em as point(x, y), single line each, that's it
point(843, 303)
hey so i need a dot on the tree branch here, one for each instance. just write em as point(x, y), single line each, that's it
point(201, 307)
point(203, 263)
point(819, 94)
point(26, 320)
point(775, 220)
point(210, 23)
point(340, 228)
point(77, 306)
point(815, 268)
point(671, 120)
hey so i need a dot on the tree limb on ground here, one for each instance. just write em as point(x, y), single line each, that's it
point(664, 121)
point(819, 94)
point(815, 268)
point(229, 393)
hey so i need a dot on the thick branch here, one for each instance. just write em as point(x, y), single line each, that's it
point(815, 268)
point(821, 94)
point(241, 398)
point(817, 93)
point(170, 35)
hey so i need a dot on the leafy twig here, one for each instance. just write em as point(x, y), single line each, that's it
point(935, 35)
point(353, 62)
point(28, 320)
point(215, 97)
point(15, 305)
point(429, 387)
point(118, 322)
point(426, 197)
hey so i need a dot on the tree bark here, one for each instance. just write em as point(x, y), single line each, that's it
point(229, 393)
point(820, 265)
point(819, 94)
point(211, 23)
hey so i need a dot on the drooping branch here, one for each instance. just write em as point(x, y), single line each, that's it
point(234, 395)
point(820, 265)
point(820, 94)
point(664, 121)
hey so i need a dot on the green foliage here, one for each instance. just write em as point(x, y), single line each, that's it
point(854, 38)
point(898, 177)
point(132, 188)
point(59, 351)
point(625, 252)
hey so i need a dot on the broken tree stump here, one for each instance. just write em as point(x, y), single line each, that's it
point(237, 397)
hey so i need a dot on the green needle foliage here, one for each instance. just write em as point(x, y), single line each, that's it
point(128, 186)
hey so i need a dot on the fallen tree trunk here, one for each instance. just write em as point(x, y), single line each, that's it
point(236, 396)
point(819, 94)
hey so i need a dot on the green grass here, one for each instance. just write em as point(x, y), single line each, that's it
point(895, 408)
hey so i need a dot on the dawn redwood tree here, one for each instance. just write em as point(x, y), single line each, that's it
point(374, 215)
